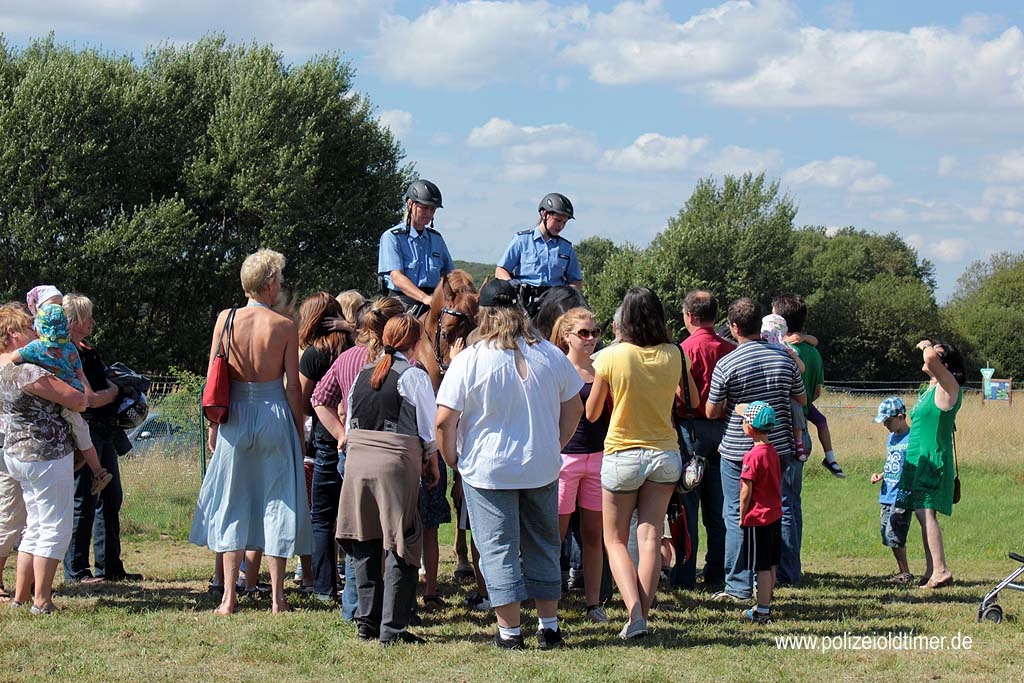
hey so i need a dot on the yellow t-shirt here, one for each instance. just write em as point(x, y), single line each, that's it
point(642, 382)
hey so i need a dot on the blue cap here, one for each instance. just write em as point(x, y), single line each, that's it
point(890, 407)
point(758, 414)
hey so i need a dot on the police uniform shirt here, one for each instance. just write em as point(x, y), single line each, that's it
point(421, 256)
point(539, 262)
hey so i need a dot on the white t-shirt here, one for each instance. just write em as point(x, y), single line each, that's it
point(509, 425)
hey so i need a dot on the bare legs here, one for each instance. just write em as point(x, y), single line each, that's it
point(593, 557)
point(637, 585)
point(936, 572)
point(509, 616)
point(231, 561)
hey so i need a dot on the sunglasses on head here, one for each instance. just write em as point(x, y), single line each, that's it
point(587, 334)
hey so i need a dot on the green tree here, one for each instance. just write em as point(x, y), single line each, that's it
point(144, 186)
point(986, 313)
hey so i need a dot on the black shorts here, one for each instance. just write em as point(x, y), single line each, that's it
point(762, 546)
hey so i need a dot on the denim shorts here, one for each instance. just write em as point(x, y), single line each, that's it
point(627, 470)
point(895, 524)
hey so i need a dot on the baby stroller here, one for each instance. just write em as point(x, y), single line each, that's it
point(988, 608)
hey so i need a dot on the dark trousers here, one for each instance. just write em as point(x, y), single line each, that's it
point(705, 501)
point(326, 491)
point(96, 519)
point(386, 598)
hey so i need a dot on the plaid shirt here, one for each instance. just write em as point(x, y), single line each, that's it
point(332, 390)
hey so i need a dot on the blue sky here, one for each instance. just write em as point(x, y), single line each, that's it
point(905, 116)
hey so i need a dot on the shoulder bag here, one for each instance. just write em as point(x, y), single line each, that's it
point(216, 393)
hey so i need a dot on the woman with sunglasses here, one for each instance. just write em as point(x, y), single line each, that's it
point(576, 334)
point(641, 464)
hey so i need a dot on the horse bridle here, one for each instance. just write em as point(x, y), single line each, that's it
point(461, 315)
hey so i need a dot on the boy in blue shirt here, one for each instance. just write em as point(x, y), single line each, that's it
point(895, 523)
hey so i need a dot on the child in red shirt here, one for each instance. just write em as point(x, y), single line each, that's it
point(760, 505)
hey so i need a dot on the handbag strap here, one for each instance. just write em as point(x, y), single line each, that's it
point(956, 465)
point(225, 346)
point(686, 397)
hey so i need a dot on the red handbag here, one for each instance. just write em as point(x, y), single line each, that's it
point(216, 393)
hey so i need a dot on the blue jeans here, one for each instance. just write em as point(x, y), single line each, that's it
point(792, 517)
point(96, 519)
point(509, 524)
point(326, 490)
point(350, 595)
point(707, 500)
point(739, 580)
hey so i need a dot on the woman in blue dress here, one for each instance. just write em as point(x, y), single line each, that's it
point(254, 495)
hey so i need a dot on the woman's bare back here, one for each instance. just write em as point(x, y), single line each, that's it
point(262, 342)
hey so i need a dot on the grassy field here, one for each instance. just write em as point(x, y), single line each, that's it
point(162, 629)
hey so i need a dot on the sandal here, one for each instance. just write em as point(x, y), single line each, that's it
point(100, 479)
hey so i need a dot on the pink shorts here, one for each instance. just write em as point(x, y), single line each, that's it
point(580, 473)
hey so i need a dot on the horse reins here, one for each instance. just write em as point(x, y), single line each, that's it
point(437, 334)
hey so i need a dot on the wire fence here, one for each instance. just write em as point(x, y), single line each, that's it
point(162, 474)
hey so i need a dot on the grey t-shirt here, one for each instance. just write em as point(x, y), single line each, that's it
point(34, 428)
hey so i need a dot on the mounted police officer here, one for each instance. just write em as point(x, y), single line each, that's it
point(413, 255)
point(540, 258)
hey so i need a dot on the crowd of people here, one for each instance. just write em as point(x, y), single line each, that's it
point(337, 444)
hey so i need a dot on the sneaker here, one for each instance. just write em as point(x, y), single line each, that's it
point(550, 639)
point(403, 637)
point(722, 596)
point(475, 601)
point(367, 632)
point(597, 615)
point(634, 629)
point(575, 582)
point(755, 617)
point(834, 468)
point(44, 611)
point(511, 643)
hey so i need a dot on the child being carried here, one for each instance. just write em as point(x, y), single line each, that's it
point(54, 351)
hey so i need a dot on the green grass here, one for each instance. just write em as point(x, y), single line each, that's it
point(163, 628)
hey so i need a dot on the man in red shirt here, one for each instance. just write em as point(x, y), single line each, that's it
point(761, 505)
point(703, 348)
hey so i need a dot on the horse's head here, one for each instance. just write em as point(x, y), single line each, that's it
point(452, 315)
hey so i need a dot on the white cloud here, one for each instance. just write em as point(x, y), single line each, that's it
point(944, 250)
point(1007, 167)
point(1003, 196)
point(638, 42)
point(732, 160)
point(467, 45)
point(295, 27)
point(853, 174)
point(399, 121)
point(655, 152)
point(531, 144)
point(947, 165)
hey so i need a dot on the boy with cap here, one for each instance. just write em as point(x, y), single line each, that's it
point(760, 505)
point(895, 523)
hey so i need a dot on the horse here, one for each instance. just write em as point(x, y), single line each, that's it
point(452, 315)
point(553, 303)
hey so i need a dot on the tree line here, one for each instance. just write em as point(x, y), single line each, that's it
point(144, 185)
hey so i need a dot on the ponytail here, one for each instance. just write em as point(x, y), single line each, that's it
point(400, 334)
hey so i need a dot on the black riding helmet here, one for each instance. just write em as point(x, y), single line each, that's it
point(556, 203)
point(424, 192)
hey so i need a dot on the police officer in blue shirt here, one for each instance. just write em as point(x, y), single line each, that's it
point(413, 255)
point(540, 258)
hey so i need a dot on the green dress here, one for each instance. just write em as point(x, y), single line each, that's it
point(927, 478)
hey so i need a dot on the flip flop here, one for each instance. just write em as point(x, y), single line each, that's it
point(948, 581)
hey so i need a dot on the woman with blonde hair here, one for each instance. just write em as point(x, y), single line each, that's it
point(514, 400)
point(576, 334)
point(391, 445)
point(254, 496)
